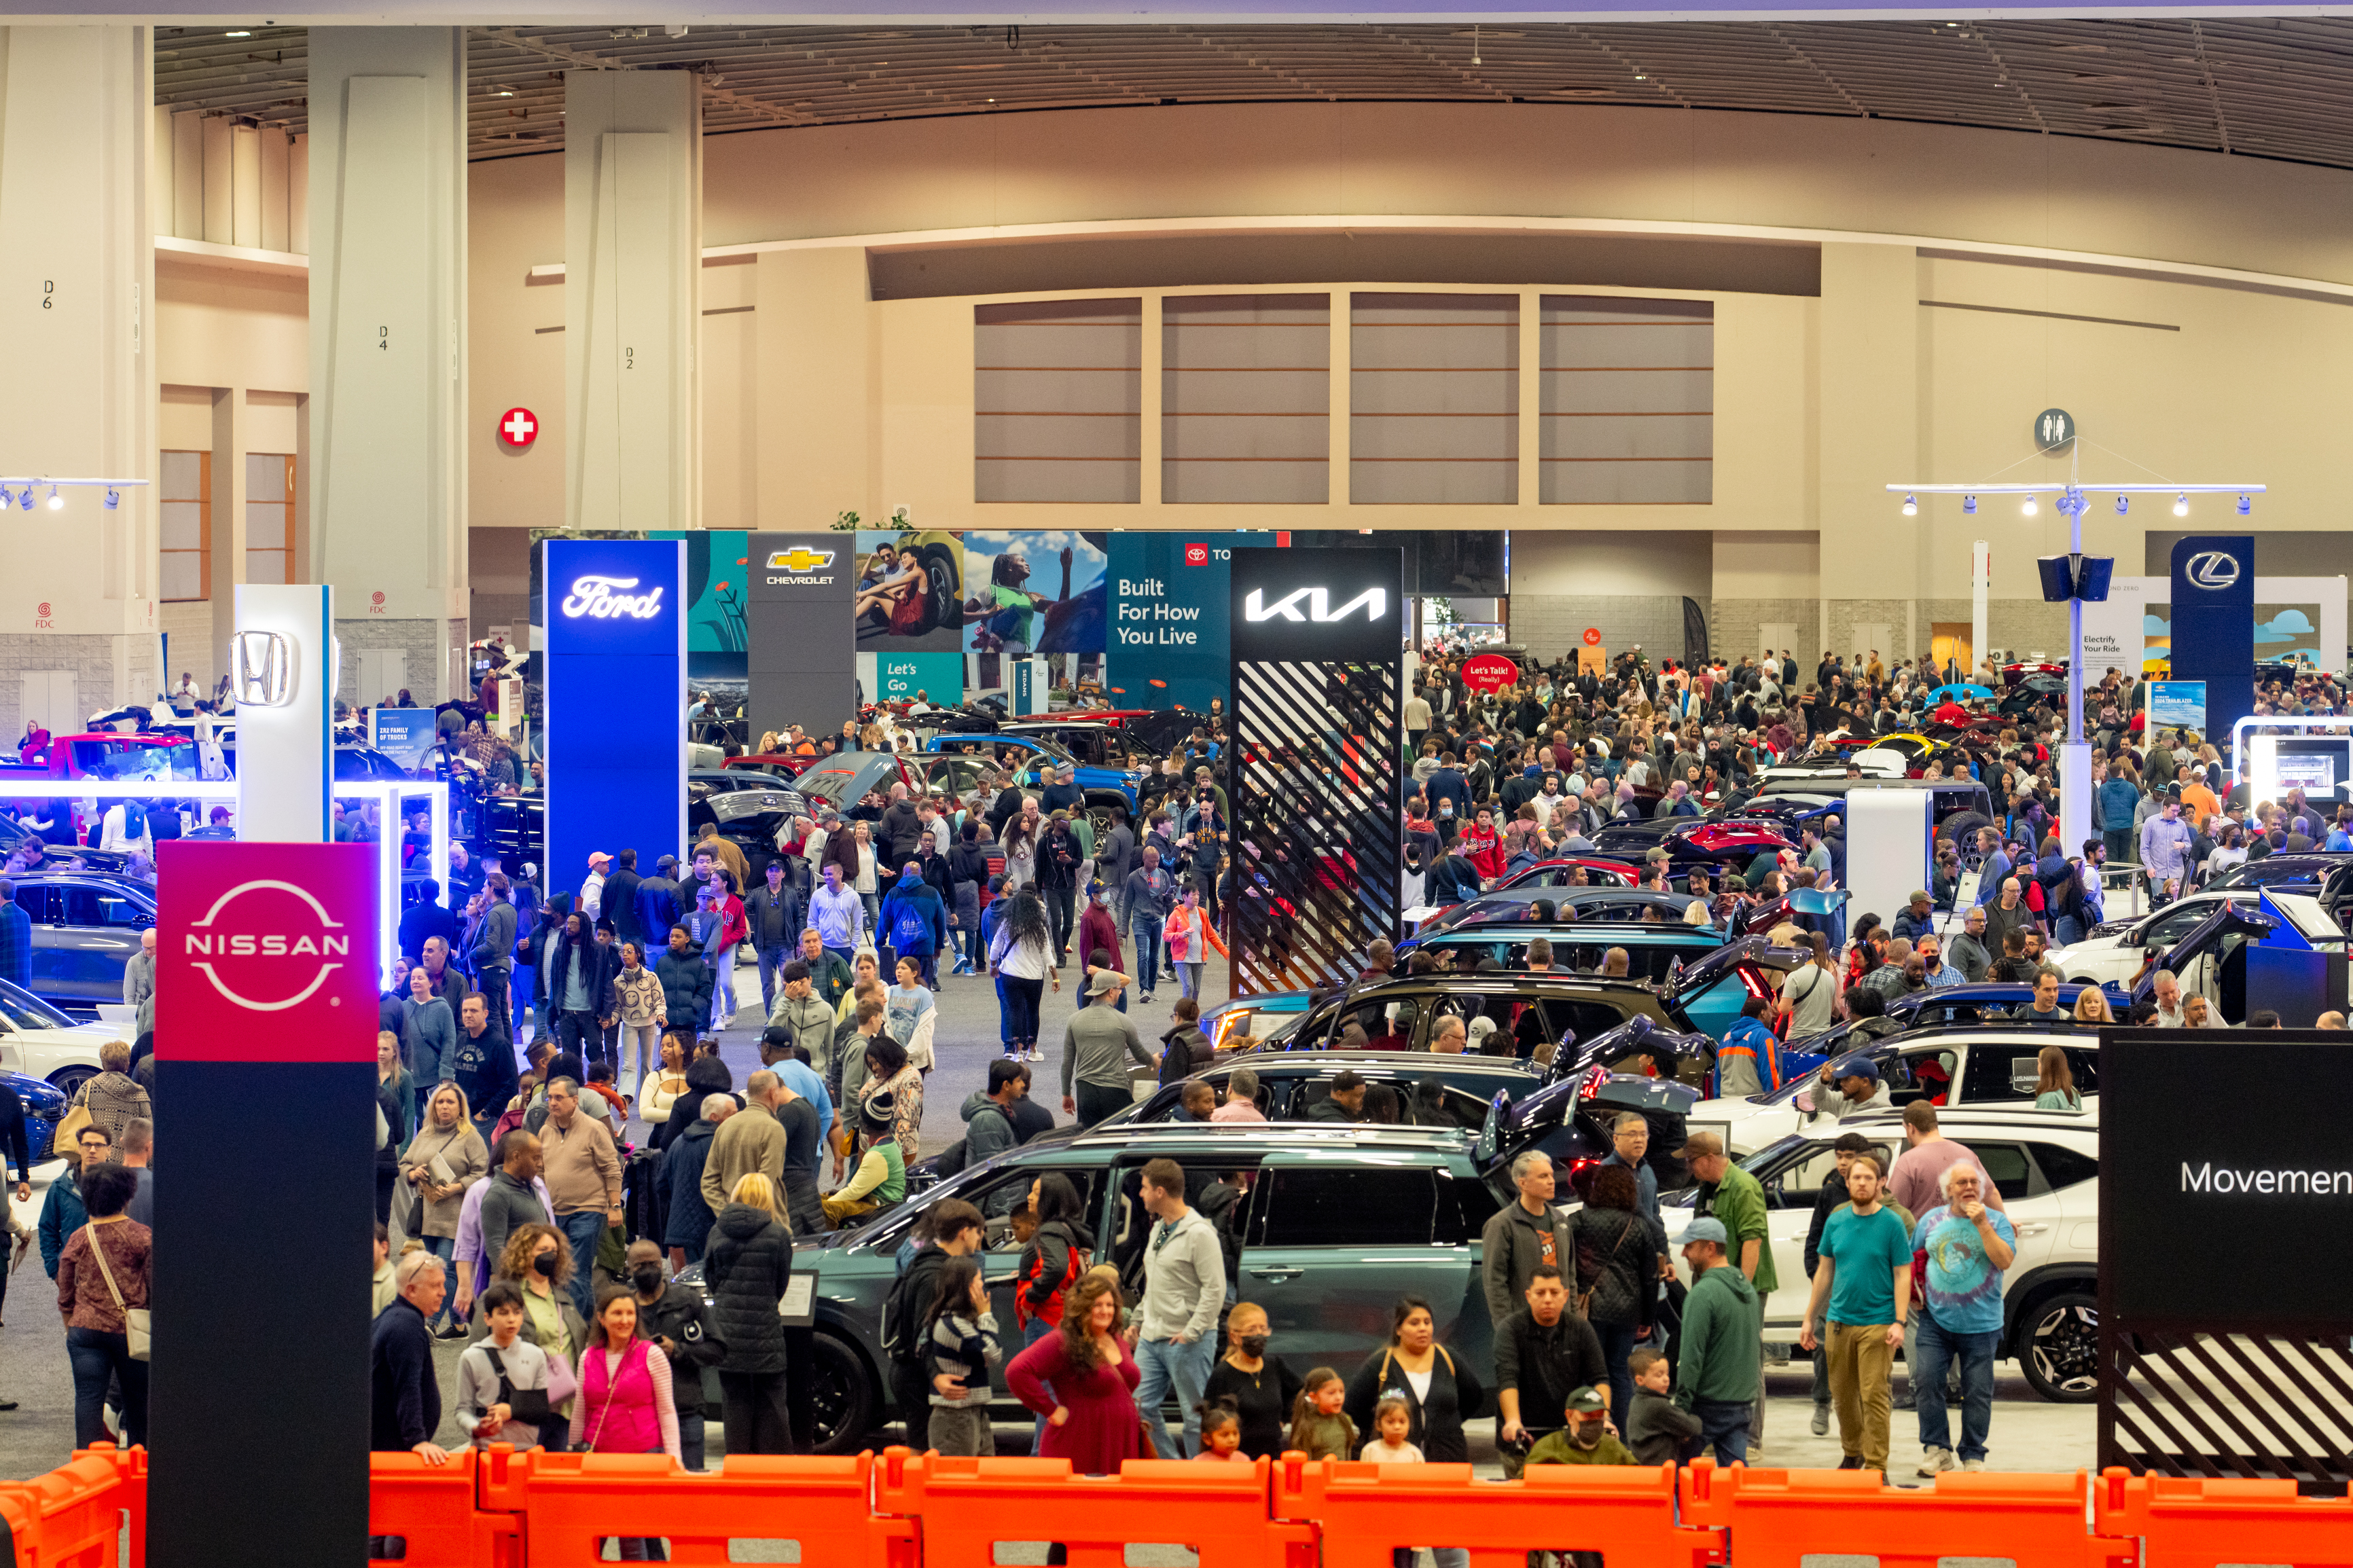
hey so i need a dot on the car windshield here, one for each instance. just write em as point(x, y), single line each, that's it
point(130, 759)
point(831, 785)
point(26, 1011)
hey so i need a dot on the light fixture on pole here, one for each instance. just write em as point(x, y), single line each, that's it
point(2080, 575)
point(113, 489)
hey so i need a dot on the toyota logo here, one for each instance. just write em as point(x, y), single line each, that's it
point(273, 939)
point(2212, 569)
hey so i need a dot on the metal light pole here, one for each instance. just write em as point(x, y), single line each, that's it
point(2075, 751)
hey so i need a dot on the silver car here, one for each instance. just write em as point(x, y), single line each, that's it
point(86, 926)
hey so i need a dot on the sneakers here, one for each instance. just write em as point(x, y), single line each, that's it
point(1935, 1462)
point(1821, 1424)
point(1973, 1464)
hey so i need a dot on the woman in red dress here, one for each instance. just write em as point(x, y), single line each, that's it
point(1083, 1382)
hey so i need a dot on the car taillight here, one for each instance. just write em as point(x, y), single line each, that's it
point(1595, 1076)
point(1753, 981)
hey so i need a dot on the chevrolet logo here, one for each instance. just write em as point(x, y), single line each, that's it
point(799, 558)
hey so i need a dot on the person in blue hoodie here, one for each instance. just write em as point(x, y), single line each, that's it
point(2117, 798)
point(1748, 1062)
point(914, 922)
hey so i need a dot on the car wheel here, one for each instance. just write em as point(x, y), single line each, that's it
point(2061, 1349)
point(842, 1399)
point(68, 1081)
point(940, 586)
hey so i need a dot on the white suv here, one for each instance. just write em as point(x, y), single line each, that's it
point(2116, 954)
point(2045, 1164)
point(1963, 1066)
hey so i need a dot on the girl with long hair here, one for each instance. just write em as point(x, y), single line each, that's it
point(625, 1405)
point(1021, 951)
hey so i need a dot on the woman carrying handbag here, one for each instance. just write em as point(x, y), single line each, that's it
point(626, 1404)
point(103, 1280)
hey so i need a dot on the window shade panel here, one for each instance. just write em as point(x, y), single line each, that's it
point(1434, 399)
point(1058, 400)
point(1245, 398)
point(1628, 401)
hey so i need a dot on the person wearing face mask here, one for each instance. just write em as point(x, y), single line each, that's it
point(1262, 1388)
point(676, 1322)
point(538, 1261)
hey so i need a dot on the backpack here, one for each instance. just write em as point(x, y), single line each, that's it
point(908, 929)
point(951, 1159)
point(902, 1314)
point(134, 820)
point(1032, 1267)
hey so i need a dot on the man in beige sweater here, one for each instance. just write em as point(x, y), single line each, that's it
point(751, 1139)
point(583, 1173)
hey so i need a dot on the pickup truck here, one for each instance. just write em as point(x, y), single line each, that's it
point(104, 756)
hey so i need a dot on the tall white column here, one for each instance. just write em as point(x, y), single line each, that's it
point(1980, 587)
point(632, 299)
point(387, 472)
point(78, 389)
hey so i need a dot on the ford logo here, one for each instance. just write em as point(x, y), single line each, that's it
point(2212, 569)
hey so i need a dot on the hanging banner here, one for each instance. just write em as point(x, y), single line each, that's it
point(802, 654)
point(1170, 637)
point(404, 734)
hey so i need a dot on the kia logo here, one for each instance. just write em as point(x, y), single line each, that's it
point(2212, 569)
point(275, 940)
point(1374, 601)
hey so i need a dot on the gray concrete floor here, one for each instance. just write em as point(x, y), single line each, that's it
point(2027, 1434)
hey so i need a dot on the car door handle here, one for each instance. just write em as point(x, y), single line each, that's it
point(2031, 1227)
point(1276, 1275)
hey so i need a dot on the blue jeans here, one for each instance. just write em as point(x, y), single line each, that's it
point(1163, 1364)
point(1722, 1425)
point(772, 960)
point(96, 1360)
point(1147, 950)
point(522, 980)
point(1617, 1344)
point(1939, 1347)
point(583, 1230)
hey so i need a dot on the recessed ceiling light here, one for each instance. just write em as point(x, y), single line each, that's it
point(240, 34)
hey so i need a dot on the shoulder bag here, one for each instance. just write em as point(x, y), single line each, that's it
point(135, 1319)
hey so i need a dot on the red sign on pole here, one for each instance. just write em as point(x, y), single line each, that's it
point(1490, 671)
point(266, 953)
point(1593, 637)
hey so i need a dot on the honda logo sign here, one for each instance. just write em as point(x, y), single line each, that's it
point(262, 673)
point(1374, 601)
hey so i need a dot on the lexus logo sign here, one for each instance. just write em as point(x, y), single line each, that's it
point(1374, 601)
point(267, 945)
point(2212, 569)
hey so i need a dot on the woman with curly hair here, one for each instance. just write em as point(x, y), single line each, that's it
point(538, 1261)
point(1089, 1417)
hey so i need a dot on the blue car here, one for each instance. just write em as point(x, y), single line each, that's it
point(44, 1106)
point(1040, 757)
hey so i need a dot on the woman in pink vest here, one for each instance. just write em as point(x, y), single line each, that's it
point(624, 1404)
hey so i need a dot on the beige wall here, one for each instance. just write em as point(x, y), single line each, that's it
point(818, 399)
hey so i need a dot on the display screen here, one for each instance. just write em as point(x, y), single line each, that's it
point(2185, 1161)
point(2320, 765)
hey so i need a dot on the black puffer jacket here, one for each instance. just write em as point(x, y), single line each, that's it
point(749, 1263)
point(1184, 1050)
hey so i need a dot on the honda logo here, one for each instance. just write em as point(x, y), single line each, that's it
point(262, 674)
point(2212, 569)
point(1374, 601)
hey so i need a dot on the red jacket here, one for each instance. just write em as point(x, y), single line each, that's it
point(1483, 851)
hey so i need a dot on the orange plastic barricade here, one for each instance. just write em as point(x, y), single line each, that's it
point(432, 1507)
point(1361, 1512)
point(1778, 1518)
point(965, 1506)
point(2195, 1523)
point(70, 1518)
point(567, 1504)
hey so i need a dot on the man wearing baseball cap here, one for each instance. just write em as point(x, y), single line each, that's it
point(1860, 1088)
point(592, 887)
point(1722, 1362)
point(1734, 1199)
point(1587, 1439)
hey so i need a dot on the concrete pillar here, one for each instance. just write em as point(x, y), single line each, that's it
point(632, 299)
point(229, 499)
point(1869, 392)
point(79, 397)
point(387, 463)
point(817, 456)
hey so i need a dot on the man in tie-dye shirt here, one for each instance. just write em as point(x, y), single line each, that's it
point(1967, 1246)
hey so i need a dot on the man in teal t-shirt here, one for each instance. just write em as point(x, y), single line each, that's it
point(1865, 1280)
point(1969, 1245)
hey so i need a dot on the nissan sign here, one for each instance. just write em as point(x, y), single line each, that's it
point(267, 952)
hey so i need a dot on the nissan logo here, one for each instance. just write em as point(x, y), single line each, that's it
point(2212, 569)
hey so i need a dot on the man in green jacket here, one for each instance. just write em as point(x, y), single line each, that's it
point(1722, 1357)
point(1733, 1197)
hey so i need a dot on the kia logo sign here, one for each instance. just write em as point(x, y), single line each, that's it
point(599, 598)
point(2211, 569)
point(1374, 601)
point(267, 945)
